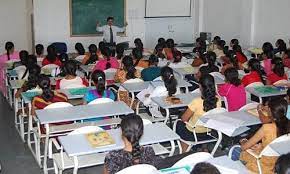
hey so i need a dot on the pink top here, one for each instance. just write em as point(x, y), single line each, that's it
point(235, 95)
point(101, 65)
point(13, 56)
point(267, 66)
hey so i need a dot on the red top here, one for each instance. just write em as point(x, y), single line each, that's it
point(272, 78)
point(47, 62)
point(241, 58)
point(251, 78)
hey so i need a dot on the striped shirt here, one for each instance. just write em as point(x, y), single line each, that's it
point(39, 103)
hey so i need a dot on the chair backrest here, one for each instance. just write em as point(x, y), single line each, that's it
point(58, 105)
point(249, 106)
point(217, 74)
point(110, 73)
point(281, 82)
point(47, 69)
point(215, 111)
point(85, 130)
point(136, 80)
point(146, 121)
point(193, 159)
point(74, 86)
point(196, 91)
point(100, 101)
point(255, 84)
point(141, 168)
point(268, 151)
point(241, 72)
point(139, 68)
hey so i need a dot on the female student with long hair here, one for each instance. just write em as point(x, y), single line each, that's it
point(266, 134)
point(99, 79)
point(27, 61)
point(233, 90)
point(108, 61)
point(39, 52)
point(281, 47)
point(92, 57)
point(32, 80)
point(153, 71)
point(51, 57)
point(48, 96)
point(233, 43)
point(232, 63)
point(286, 58)
point(133, 153)
point(80, 52)
point(119, 51)
point(278, 72)
point(200, 105)
point(177, 61)
point(199, 58)
point(169, 49)
point(267, 56)
point(138, 58)
point(256, 73)
point(210, 58)
point(71, 80)
point(239, 53)
point(127, 71)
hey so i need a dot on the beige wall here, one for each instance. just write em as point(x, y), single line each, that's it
point(16, 24)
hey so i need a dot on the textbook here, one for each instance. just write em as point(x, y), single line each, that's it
point(100, 139)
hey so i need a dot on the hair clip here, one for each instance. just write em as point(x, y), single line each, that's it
point(100, 78)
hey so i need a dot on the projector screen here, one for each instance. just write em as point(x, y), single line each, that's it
point(167, 8)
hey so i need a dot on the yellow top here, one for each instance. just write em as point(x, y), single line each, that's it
point(196, 106)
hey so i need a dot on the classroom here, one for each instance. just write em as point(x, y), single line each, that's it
point(145, 87)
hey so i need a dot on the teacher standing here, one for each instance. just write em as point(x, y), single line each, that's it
point(110, 31)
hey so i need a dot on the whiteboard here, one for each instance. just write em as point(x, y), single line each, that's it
point(167, 8)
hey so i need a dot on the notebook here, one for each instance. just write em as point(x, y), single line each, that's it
point(100, 139)
point(78, 91)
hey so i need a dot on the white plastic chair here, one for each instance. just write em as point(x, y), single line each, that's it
point(195, 135)
point(141, 168)
point(37, 130)
point(100, 101)
point(280, 82)
point(196, 91)
point(255, 84)
point(268, 151)
point(217, 74)
point(62, 161)
point(249, 106)
point(74, 86)
point(192, 159)
point(110, 73)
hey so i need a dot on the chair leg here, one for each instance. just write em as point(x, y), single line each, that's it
point(56, 170)
point(259, 166)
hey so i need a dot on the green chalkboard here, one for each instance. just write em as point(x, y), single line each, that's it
point(85, 13)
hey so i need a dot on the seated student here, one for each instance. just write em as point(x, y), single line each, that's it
point(81, 52)
point(169, 49)
point(92, 57)
point(101, 45)
point(280, 47)
point(158, 51)
point(59, 71)
point(153, 71)
point(256, 73)
point(169, 89)
point(23, 70)
point(286, 58)
point(39, 51)
point(138, 59)
point(51, 57)
point(32, 80)
point(20, 66)
point(267, 56)
point(200, 105)
point(233, 90)
point(71, 80)
point(99, 79)
point(204, 168)
point(282, 165)
point(162, 42)
point(278, 72)
point(133, 153)
point(139, 44)
point(233, 43)
point(210, 58)
point(266, 134)
point(199, 58)
point(239, 53)
point(108, 61)
point(178, 61)
point(232, 62)
point(200, 44)
point(219, 51)
point(213, 45)
point(127, 71)
point(119, 51)
point(48, 96)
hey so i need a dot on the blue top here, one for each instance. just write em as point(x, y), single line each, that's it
point(151, 73)
point(93, 94)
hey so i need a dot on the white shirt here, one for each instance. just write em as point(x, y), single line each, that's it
point(72, 83)
point(106, 30)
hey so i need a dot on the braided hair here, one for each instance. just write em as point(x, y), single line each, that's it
point(9, 46)
point(255, 65)
point(139, 44)
point(129, 67)
point(169, 80)
point(93, 54)
point(34, 72)
point(208, 92)
point(99, 79)
point(29, 63)
point(278, 66)
point(137, 55)
point(107, 54)
point(132, 129)
point(119, 51)
point(44, 84)
point(278, 107)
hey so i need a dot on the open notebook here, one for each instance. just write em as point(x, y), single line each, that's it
point(100, 139)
